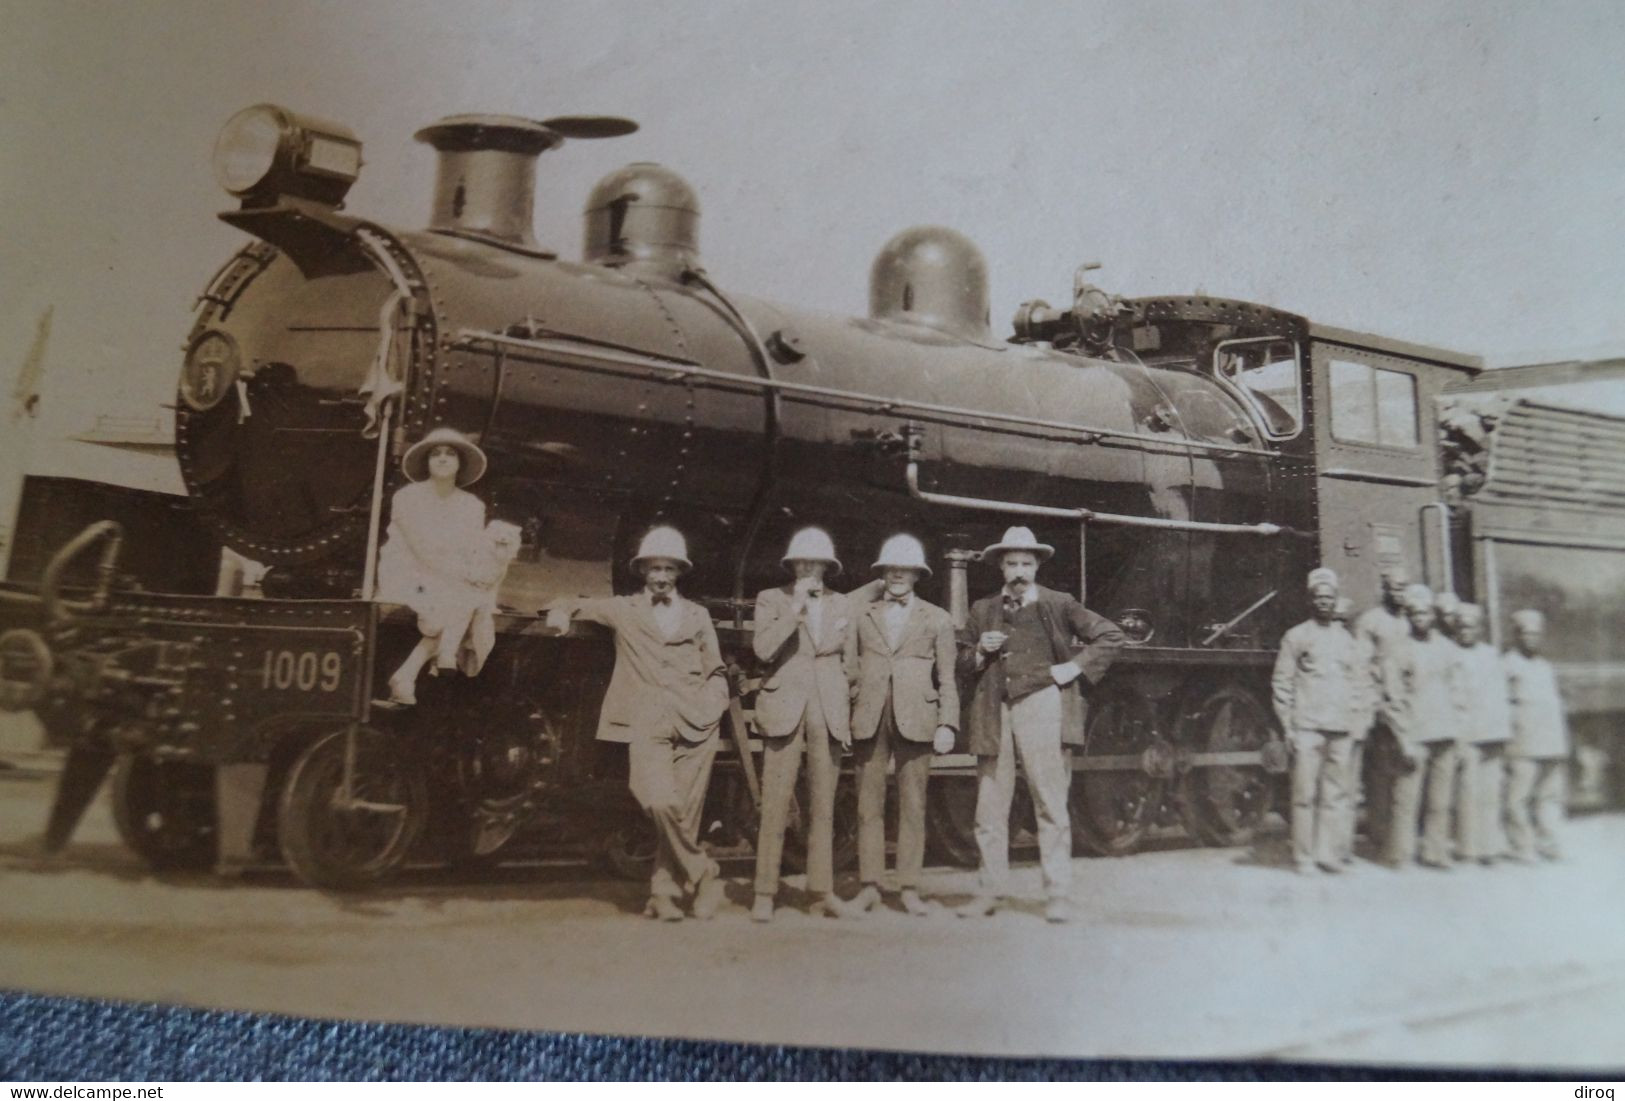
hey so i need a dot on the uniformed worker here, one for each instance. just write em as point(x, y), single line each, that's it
point(665, 701)
point(802, 710)
point(1028, 651)
point(1538, 753)
point(1374, 629)
point(1420, 704)
point(1319, 689)
point(905, 706)
point(1485, 730)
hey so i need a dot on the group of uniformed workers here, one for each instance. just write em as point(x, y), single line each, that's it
point(1481, 736)
point(871, 672)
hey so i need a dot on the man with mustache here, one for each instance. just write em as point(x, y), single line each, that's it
point(1027, 649)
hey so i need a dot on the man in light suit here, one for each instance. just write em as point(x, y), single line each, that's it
point(1027, 648)
point(1538, 755)
point(802, 707)
point(905, 706)
point(665, 701)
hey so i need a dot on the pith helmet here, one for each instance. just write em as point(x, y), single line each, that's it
point(1446, 604)
point(812, 545)
point(1322, 577)
point(1529, 619)
point(1418, 596)
point(904, 552)
point(662, 542)
point(471, 460)
point(1018, 539)
point(1470, 613)
point(1396, 573)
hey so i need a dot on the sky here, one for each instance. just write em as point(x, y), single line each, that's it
point(1447, 173)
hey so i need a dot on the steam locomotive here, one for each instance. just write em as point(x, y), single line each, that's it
point(1193, 457)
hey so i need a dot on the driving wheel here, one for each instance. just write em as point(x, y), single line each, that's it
point(351, 809)
point(1114, 799)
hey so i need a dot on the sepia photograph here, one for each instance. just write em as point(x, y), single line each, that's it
point(1087, 530)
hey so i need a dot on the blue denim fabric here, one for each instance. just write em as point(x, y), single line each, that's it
point(55, 1040)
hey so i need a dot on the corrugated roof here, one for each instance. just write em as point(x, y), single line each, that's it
point(1551, 455)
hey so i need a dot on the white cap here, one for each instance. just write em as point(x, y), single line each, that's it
point(902, 551)
point(662, 542)
point(812, 545)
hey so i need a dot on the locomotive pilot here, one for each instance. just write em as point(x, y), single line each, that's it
point(905, 705)
point(1537, 756)
point(1486, 727)
point(1422, 706)
point(1025, 649)
point(1374, 629)
point(802, 708)
point(1320, 688)
point(665, 701)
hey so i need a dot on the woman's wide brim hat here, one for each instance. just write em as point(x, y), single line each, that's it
point(662, 542)
point(1019, 539)
point(471, 465)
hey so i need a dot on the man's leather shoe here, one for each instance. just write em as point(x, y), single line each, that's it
point(915, 905)
point(979, 907)
point(663, 909)
point(762, 910)
point(862, 902)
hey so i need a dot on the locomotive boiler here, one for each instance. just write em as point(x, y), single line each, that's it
point(1191, 457)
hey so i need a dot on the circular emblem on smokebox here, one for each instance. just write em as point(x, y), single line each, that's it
point(212, 363)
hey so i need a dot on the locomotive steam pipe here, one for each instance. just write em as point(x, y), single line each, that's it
point(58, 610)
point(1081, 515)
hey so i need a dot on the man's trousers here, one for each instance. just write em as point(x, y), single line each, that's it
point(669, 780)
point(1435, 771)
point(1535, 787)
point(913, 768)
point(1478, 806)
point(1320, 795)
point(1029, 728)
point(781, 761)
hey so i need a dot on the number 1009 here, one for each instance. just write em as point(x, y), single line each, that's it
point(306, 670)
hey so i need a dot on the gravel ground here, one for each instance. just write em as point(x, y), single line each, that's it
point(1186, 952)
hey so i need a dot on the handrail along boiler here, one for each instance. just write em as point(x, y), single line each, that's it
point(1195, 455)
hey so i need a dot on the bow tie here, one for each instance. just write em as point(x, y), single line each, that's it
point(893, 599)
point(814, 594)
point(657, 599)
point(1011, 603)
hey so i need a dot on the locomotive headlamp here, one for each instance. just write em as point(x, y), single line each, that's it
point(266, 152)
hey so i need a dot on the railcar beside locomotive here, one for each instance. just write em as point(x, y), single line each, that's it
point(1193, 457)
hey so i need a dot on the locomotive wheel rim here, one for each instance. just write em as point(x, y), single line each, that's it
point(630, 847)
point(1111, 811)
point(331, 844)
point(164, 813)
point(1224, 805)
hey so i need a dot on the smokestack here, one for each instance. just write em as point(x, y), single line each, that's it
point(485, 183)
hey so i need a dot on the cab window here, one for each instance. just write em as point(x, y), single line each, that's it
point(1373, 405)
point(1265, 372)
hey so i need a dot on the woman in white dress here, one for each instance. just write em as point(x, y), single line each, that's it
point(431, 559)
